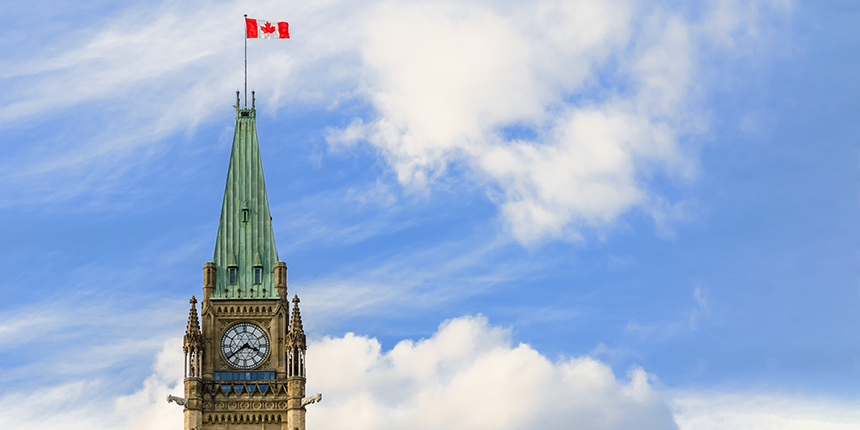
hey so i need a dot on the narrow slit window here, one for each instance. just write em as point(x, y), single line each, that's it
point(258, 275)
point(232, 271)
point(244, 215)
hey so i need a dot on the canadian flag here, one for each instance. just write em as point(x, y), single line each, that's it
point(262, 29)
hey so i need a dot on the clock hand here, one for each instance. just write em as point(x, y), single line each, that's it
point(237, 351)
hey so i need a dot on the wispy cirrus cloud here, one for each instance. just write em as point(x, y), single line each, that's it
point(95, 403)
point(611, 92)
point(449, 272)
point(147, 73)
point(86, 336)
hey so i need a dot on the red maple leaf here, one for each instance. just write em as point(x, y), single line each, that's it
point(268, 28)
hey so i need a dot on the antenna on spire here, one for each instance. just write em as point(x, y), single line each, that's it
point(253, 100)
point(238, 105)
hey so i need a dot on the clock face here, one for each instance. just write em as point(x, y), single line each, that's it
point(245, 346)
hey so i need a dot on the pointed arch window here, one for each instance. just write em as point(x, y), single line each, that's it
point(231, 269)
point(258, 269)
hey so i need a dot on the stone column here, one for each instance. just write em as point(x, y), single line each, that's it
point(194, 407)
point(295, 410)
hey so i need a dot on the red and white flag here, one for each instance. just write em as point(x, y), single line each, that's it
point(262, 29)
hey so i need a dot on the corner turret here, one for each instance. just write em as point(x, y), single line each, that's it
point(296, 346)
point(192, 345)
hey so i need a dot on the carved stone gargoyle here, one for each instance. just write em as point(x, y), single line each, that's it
point(178, 400)
point(312, 399)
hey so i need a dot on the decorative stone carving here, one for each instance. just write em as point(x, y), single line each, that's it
point(178, 400)
point(312, 399)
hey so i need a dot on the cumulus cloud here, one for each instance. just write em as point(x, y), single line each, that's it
point(448, 78)
point(468, 375)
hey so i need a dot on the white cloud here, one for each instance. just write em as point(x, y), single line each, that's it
point(611, 90)
point(467, 375)
point(17, 328)
point(69, 407)
point(123, 335)
point(147, 408)
point(94, 405)
point(448, 77)
point(750, 411)
point(154, 70)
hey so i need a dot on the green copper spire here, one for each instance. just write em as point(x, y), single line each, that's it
point(245, 242)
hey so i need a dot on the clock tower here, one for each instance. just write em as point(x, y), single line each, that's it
point(245, 354)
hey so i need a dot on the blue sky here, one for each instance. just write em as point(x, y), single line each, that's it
point(660, 186)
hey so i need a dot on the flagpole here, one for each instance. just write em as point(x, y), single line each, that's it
point(246, 62)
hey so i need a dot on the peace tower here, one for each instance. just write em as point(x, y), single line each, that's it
point(245, 355)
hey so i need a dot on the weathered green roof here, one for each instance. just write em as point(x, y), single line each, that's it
point(244, 243)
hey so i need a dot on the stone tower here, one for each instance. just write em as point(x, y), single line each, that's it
point(245, 355)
